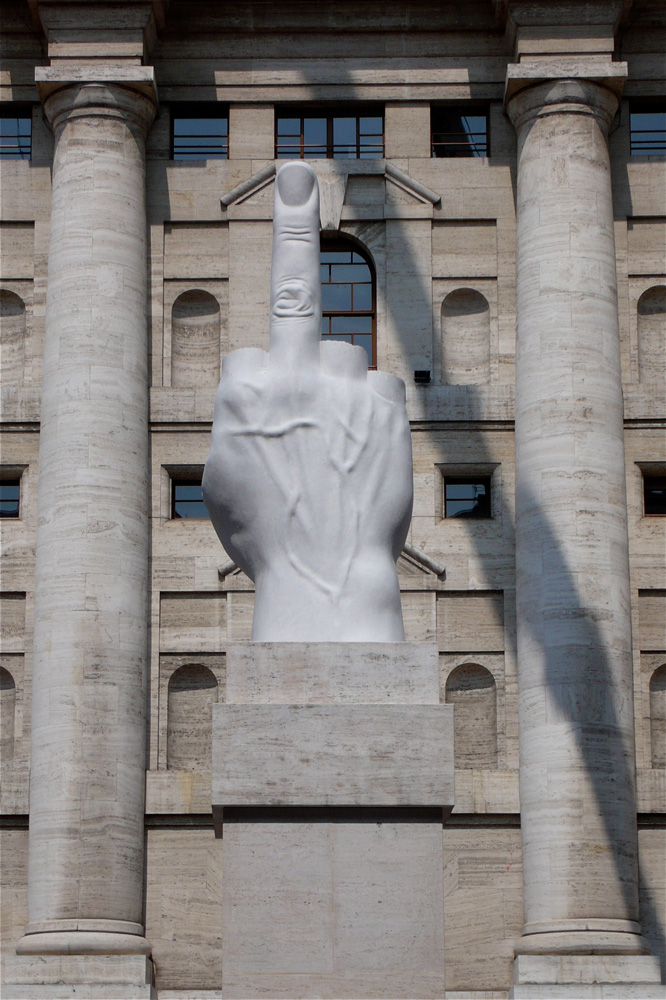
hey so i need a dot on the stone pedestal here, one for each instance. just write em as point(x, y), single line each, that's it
point(93, 977)
point(332, 768)
point(616, 977)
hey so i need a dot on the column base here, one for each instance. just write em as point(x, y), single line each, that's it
point(584, 937)
point(61, 977)
point(82, 942)
point(610, 977)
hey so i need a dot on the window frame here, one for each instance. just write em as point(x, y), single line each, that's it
point(11, 480)
point(342, 242)
point(653, 478)
point(646, 106)
point(20, 112)
point(192, 110)
point(481, 109)
point(180, 475)
point(467, 480)
point(329, 112)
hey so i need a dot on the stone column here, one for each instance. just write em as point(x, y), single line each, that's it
point(578, 808)
point(90, 644)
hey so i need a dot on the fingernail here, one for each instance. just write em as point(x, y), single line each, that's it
point(295, 182)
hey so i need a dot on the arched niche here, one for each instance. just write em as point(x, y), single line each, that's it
point(195, 340)
point(12, 336)
point(465, 338)
point(471, 689)
point(652, 334)
point(192, 693)
point(658, 716)
point(7, 711)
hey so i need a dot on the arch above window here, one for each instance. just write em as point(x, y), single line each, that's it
point(651, 310)
point(471, 688)
point(12, 336)
point(7, 711)
point(465, 338)
point(192, 693)
point(348, 295)
point(658, 716)
point(195, 340)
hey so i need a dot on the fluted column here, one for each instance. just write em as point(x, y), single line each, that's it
point(578, 809)
point(90, 642)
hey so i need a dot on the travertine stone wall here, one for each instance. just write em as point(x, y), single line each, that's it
point(406, 56)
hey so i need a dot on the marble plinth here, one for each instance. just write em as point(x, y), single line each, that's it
point(332, 808)
point(615, 977)
point(95, 977)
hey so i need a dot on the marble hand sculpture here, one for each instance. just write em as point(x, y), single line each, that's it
point(309, 477)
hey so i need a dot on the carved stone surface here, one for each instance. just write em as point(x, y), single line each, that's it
point(309, 477)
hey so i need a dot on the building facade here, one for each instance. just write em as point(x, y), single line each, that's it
point(493, 189)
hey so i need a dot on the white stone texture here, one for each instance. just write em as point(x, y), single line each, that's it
point(334, 755)
point(308, 481)
point(574, 632)
point(90, 644)
point(333, 910)
point(333, 673)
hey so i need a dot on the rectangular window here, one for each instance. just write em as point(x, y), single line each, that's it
point(325, 133)
point(459, 131)
point(647, 126)
point(199, 132)
point(15, 131)
point(10, 497)
point(654, 496)
point(467, 497)
point(187, 499)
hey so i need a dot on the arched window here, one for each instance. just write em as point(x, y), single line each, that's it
point(195, 340)
point(658, 716)
point(192, 693)
point(465, 338)
point(471, 688)
point(12, 336)
point(7, 709)
point(348, 295)
point(652, 334)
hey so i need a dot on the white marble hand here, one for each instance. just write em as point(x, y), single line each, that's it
point(309, 477)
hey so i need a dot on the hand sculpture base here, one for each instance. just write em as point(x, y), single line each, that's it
point(332, 769)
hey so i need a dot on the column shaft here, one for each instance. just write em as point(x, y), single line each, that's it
point(90, 646)
point(573, 603)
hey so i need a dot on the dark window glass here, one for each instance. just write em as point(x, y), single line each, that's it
point(200, 132)
point(647, 129)
point(347, 297)
point(10, 496)
point(319, 134)
point(187, 499)
point(654, 491)
point(468, 497)
point(15, 132)
point(459, 131)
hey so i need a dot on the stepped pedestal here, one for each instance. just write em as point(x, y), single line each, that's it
point(332, 770)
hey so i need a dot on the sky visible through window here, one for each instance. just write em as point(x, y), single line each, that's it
point(15, 136)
